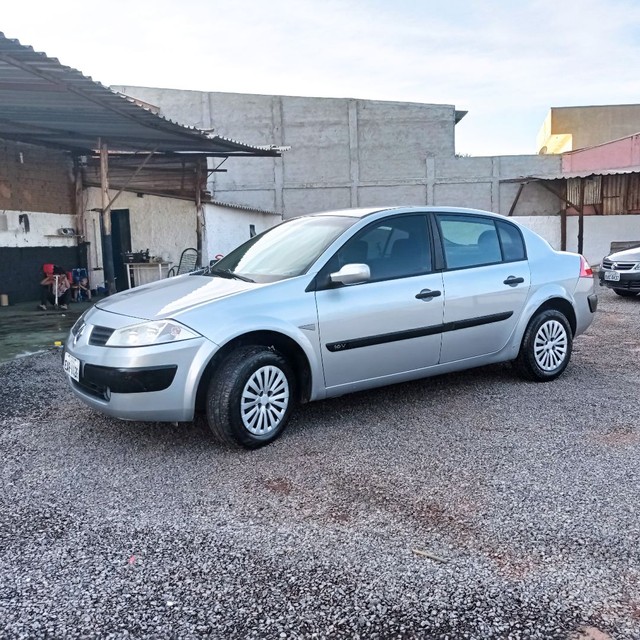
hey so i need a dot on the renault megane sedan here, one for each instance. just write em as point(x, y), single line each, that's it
point(327, 304)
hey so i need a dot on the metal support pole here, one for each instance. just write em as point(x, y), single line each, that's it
point(107, 244)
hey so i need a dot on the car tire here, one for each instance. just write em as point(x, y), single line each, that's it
point(250, 397)
point(546, 347)
point(626, 294)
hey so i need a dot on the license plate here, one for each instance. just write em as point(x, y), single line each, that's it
point(612, 276)
point(71, 365)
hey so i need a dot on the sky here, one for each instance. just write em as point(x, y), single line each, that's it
point(506, 62)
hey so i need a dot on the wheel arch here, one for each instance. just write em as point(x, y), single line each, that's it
point(562, 305)
point(283, 344)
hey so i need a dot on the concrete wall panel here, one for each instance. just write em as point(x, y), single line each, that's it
point(469, 194)
point(318, 132)
point(392, 195)
point(468, 168)
point(395, 138)
point(300, 201)
point(534, 200)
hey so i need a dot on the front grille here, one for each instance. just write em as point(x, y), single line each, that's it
point(100, 335)
point(620, 266)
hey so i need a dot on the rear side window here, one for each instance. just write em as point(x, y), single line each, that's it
point(473, 242)
point(469, 241)
point(511, 241)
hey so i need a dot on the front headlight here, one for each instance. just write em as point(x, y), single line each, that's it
point(148, 333)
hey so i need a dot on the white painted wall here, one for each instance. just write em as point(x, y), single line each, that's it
point(546, 226)
point(599, 232)
point(166, 226)
point(228, 227)
point(43, 229)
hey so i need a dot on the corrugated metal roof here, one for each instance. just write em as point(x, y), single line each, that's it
point(45, 103)
point(242, 207)
point(575, 174)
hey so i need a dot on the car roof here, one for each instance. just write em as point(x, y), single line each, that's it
point(367, 211)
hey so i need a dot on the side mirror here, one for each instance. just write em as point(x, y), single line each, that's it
point(351, 274)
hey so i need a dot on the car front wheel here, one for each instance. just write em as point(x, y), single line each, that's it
point(250, 397)
point(546, 347)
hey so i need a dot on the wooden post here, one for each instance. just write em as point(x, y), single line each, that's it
point(79, 200)
point(107, 244)
point(581, 217)
point(199, 213)
point(515, 200)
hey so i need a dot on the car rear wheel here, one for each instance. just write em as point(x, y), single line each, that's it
point(546, 347)
point(250, 397)
point(626, 294)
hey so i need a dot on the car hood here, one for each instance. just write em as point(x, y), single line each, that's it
point(629, 255)
point(168, 298)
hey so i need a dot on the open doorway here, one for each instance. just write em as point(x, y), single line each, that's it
point(121, 243)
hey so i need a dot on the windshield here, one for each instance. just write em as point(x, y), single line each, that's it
point(281, 252)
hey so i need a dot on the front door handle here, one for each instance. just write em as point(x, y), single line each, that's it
point(427, 294)
point(512, 281)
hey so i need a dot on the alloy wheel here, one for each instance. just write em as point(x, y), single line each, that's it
point(264, 400)
point(550, 345)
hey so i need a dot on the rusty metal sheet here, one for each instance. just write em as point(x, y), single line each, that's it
point(613, 195)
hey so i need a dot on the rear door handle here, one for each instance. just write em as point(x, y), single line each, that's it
point(512, 281)
point(427, 294)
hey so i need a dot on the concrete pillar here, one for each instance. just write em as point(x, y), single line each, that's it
point(354, 169)
point(431, 181)
point(278, 165)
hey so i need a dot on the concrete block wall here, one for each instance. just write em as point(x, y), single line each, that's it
point(35, 178)
point(480, 183)
point(344, 152)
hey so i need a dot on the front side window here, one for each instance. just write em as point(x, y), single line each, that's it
point(396, 247)
point(285, 251)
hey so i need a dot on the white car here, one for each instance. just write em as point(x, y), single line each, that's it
point(621, 272)
point(327, 304)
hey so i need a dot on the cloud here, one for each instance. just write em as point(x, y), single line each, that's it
point(507, 63)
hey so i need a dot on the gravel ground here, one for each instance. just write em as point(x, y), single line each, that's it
point(473, 505)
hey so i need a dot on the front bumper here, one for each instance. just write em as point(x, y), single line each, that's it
point(157, 383)
point(629, 281)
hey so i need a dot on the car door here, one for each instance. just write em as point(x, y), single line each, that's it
point(486, 283)
point(391, 323)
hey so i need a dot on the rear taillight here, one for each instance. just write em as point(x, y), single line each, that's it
point(585, 270)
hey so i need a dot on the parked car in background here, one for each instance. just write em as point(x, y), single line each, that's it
point(328, 304)
point(620, 271)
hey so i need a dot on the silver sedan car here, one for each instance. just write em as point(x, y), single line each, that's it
point(327, 304)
